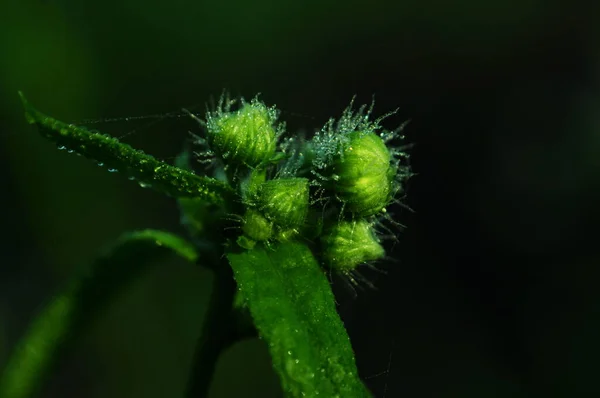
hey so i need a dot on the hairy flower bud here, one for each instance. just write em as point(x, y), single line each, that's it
point(256, 227)
point(247, 136)
point(350, 243)
point(284, 201)
point(362, 174)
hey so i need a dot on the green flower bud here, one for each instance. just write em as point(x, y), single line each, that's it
point(312, 228)
point(256, 227)
point(363, 175)
point(246, 136)
point(284, 201)
point(350, 243)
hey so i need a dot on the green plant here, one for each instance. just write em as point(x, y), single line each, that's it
point(297, 208)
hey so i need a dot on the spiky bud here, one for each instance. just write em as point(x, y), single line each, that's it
point(247, 136)
point(363, 175)
point(348, 244)
point(284, 201)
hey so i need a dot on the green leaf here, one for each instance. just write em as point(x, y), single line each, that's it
point(293, 309)
point(70, 312)
point(133, 163)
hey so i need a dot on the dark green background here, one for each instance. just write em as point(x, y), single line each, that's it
point(492, 291)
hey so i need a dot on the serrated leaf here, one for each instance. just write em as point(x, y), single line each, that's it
point(117, 156)
point(294, 311)
point(70, 312)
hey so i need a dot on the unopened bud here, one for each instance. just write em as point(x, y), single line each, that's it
point(350, 243)
point(247, 136)
point(284, 201)
point(362, 174)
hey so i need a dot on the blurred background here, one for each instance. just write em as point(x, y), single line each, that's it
point(491, 290)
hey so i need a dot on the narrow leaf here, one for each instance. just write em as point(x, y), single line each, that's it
point(293, 309)
point(133, 163)
point(70, 312)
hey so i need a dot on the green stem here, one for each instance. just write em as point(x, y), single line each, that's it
point(218, 333)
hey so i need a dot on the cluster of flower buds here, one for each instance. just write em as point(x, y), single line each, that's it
point(330, 191)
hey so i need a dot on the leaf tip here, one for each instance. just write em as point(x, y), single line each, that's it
point(28, 116)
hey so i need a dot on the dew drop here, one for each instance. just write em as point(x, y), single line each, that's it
point(112, 170)
point(70, 151)
point(131, 178)
point(144, 185)
point(61, 148)
point(100, 164)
